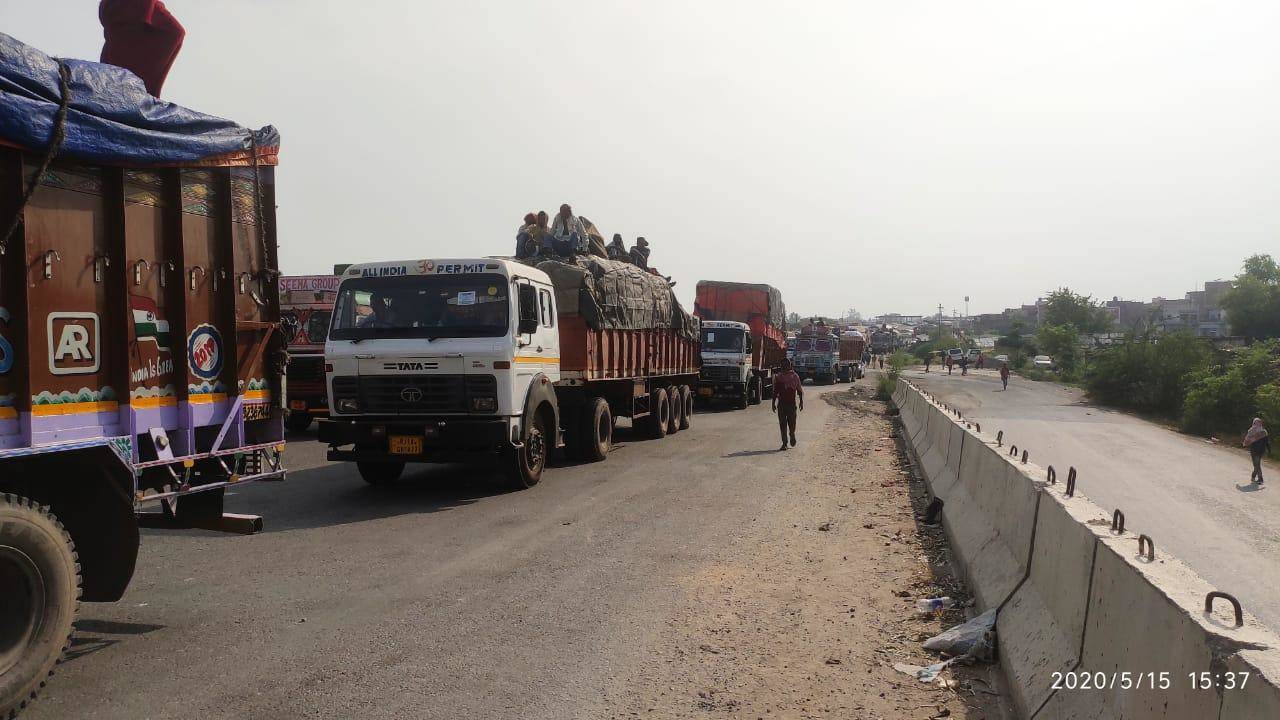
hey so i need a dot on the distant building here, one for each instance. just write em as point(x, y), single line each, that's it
point(1128, 314)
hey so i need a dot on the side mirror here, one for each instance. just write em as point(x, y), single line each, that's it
point(528, 303)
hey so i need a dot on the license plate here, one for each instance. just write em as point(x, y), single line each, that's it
point(297, 404)
point(259, 411)
point(406, 445)
point(706, 391)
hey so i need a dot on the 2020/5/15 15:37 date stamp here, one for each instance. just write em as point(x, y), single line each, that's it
point(1149, 680)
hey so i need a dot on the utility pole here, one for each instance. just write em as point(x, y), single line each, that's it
point(939, 314)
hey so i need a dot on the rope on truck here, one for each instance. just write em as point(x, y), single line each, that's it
point(55, 144)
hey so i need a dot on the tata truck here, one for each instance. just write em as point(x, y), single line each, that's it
point(140, 352)
point(744, 340)
point(500, 362)
point(817, 356)
point(852, 344)
point(306, 307)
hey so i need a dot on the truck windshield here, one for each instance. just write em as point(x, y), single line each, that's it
point(422, 306)
point(722, 340)
point(804, 345)
point(822, 345)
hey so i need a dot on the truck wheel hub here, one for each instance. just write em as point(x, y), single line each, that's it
point(20, 604)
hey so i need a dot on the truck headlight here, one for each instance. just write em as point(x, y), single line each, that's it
point(348, 405)
point(484, 404)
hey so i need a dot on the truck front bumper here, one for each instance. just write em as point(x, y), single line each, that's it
point(708, 389)
point(441, 439)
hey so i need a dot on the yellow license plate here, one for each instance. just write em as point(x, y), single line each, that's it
point(706, 391)
point(257, 411)
point(406, 445)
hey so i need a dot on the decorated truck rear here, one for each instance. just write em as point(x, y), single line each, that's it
point(306, 307)
point(744, 339)
point(139, 362)
point(499, 361)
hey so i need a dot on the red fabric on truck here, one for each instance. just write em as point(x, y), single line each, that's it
point(141, 36)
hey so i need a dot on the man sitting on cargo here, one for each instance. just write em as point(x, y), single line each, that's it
point(640, 253)
point(569, 233)
point(787, 389)
point(526, 245)
point(618, 251)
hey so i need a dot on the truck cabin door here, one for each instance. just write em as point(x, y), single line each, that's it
point(537, 339)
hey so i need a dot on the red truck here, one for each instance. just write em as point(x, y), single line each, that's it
point(744, 338)
point(852, 345)
point(306, 306)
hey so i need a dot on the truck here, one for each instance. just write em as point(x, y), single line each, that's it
point(306, 306)
point(884, 340)
point(817, 353)
point(140, 353)
point(744, 340)
point(852, 344)
point(500, 362)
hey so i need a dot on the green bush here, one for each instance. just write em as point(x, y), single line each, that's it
point(1147, 373)
point(886, 383)
point(1267, 401)
point(1225, 398)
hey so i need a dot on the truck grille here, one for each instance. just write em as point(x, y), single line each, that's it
point(415, 394)
point(306, 368)
point(719, 373)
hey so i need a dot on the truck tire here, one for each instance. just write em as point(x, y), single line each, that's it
point(686, 399)
point(597, 430)
point(677, 409)
point(523, 466)
point(756, 393)
point(40, 574)
point(297, 421)
point(380, 472)
point(742, 401)
point(660, 414)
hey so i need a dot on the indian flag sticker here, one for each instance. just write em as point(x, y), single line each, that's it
point(147, 324)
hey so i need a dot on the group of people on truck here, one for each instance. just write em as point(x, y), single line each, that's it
point(567, 235)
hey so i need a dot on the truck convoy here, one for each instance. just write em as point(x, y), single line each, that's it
point(817, 354)
point(139, 355)
point(884, 340)
point(743, 340)
point(306, 307)
point(490, 359)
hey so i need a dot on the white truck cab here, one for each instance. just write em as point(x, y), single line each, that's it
point(431, 359)
point(727, 363)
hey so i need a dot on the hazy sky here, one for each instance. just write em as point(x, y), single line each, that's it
point(887, 156)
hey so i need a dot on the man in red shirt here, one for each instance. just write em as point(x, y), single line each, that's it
point(142, 36)
point(787, 389)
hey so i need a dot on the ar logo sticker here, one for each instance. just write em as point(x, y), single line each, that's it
point(6, 348)
point(74, 343)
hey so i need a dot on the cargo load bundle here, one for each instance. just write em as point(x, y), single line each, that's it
point(615, 295)
point(721, 300)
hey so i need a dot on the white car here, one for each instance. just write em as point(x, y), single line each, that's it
point(955, 354)
point(1001, 358)
point(1044, 362)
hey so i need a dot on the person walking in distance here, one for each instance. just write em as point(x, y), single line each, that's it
point(927, 360)
point(1004, 375)
point(950, 362)
point(1258, 442)
point(788, 388)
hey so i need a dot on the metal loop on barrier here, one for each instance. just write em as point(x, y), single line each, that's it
point(1000, 438)
point(1235, 605)
point(978, 426)
point(1150, 547)
point(1071, 482)
point(1024, 457)
point(1052, 475)
point(1013, 449)
point(1117, 522)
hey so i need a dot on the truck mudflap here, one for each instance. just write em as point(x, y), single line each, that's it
point(415, 439)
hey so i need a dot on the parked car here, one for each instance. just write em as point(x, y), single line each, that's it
point(955, 354)
point(973, 354)
point(1044, 362)
point(1001, 358)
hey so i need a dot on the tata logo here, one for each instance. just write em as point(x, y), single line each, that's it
point(411, 395)
point(74, 343)
point(204, 352)
point(410, 366)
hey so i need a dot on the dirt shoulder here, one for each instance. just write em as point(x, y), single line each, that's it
point(809, 611)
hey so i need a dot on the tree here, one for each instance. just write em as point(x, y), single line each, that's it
point(1253, 302)
point(1064, 307)
point(1014, 338)
point(793, 319)
point(1062, 342)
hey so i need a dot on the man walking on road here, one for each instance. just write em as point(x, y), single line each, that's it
point(787, 389)
point(927, 359)
point(1258, 443)
point(1004, 374)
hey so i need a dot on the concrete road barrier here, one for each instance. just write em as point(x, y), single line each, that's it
point(1087, 628)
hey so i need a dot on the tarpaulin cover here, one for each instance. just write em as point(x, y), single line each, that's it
point(112, 120)
point(720, 300)
point(612, 294)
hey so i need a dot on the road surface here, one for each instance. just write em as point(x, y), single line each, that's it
point(1193, 498)
point(588, 596)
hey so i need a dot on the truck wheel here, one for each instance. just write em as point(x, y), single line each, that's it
point(743, 400)
point(677, 409)
point(40, 574)
point(524, 465)
point(380, 472)
point(297, 421)
point(757, 392)
point(660, 414)
point(686, 399)
point(597, 430)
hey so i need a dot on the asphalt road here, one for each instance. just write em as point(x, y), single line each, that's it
point(1192, 497)
point(440, 596)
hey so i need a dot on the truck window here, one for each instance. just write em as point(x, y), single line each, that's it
point(422, 306)
point(722, 340)
point(544, 306)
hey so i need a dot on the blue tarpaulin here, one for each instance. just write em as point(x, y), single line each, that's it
point(111, 118)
